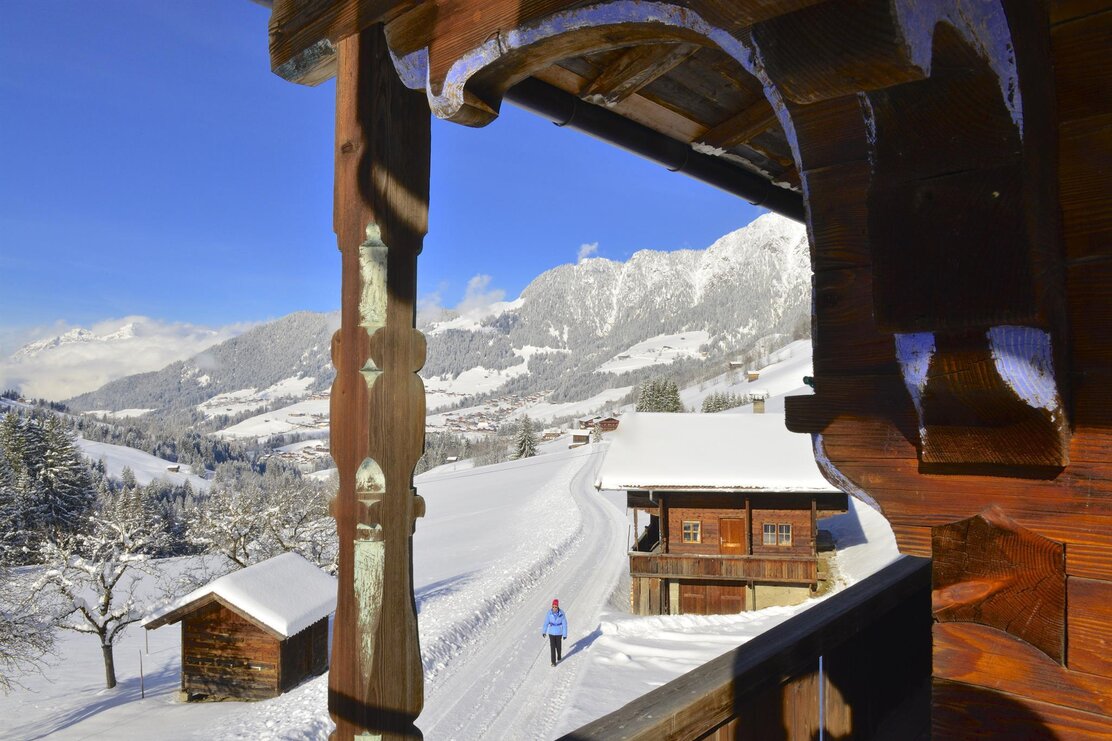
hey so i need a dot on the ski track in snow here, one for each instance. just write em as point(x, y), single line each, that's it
point(504, 668)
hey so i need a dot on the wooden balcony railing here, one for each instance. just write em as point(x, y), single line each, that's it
point(784, 569)
point(855, 666)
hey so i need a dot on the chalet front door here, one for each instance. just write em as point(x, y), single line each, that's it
point(731, 536)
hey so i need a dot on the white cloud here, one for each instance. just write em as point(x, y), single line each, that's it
point(479, 296)
point(587, 249)
point(120, 347)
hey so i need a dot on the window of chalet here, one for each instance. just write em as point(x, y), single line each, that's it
point(692, 531)
point(777, 534)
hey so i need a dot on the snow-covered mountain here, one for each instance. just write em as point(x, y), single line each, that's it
point(575, 331)
point(574, 320)
point(287, 357)
point(82, 359)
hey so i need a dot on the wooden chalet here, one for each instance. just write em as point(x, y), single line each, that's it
point(579, 438)
point(254, 633)
point(951, 160)
point(608, 424)
point(733, 502)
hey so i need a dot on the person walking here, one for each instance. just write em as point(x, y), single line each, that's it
point(556, 628)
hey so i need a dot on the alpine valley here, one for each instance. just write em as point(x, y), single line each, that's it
point(577, 340)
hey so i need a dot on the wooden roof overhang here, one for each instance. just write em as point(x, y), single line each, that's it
point(953, 159)
point(660, 86)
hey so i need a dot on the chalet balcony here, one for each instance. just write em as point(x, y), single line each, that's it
point(857, 665)
point(779, 569)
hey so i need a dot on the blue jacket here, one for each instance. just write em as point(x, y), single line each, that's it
point(555, 623)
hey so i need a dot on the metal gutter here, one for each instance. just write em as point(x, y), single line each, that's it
point(566, 110)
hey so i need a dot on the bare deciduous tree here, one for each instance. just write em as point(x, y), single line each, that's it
point(92, 575)
point(26, 631)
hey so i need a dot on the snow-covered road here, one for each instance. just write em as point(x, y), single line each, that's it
point(506, 672)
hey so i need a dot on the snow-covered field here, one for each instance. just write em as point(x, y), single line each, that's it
point(309, 416)
point(498, 543)
point(781, 377)
point(660, 350)
point(145, 466)
point(244, 400)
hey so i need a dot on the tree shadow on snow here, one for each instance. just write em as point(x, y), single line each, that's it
point(442, 588)
point(160, 682)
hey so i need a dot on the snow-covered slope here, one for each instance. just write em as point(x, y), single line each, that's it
point(290, 356)
point(576, 330)
point(496, 545)
point(145, 466)
point(617, 317)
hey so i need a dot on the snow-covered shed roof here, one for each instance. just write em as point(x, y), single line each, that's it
point(709, 452)
point(284, 595)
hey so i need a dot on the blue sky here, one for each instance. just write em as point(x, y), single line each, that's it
point(150, 164)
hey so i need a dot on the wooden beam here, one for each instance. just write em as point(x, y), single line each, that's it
point(303, 33)
point(635, 69)
point(755, 119)
point(378, 403)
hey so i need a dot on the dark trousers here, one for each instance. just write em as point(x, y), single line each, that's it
point(556, 646)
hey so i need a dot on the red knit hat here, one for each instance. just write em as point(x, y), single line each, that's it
point(555, 603)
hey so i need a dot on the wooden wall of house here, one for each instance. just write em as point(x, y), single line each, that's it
point(800, 521)
point(647, 596)
point(226, 656)
point(712, 598)
point(304, 655)
point(709, 509)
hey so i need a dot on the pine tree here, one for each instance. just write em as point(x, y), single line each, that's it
point(63, 475)
point(525, 446)
point(659, 395)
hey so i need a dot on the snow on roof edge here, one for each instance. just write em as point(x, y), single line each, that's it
point(286, 593)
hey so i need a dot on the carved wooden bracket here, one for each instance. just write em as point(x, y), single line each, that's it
point(922, 149)
point(991, 571)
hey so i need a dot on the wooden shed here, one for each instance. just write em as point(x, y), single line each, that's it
point(254, 633)
point(733, 502)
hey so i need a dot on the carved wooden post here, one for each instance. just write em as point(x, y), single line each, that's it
point(378, 402)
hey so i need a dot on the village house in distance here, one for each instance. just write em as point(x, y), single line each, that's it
point(733, 502)
point(255, 633)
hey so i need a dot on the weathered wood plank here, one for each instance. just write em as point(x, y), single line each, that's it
point(1090, 641)
point(1084, 168)
point(1082, 78)
point(831, 132)
point(703, 700)
point(635, 107)
point(303, 33)
point(964, 711)
point(981, 655)
point(836, 48)
point(635, 68)
point(741, 127)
